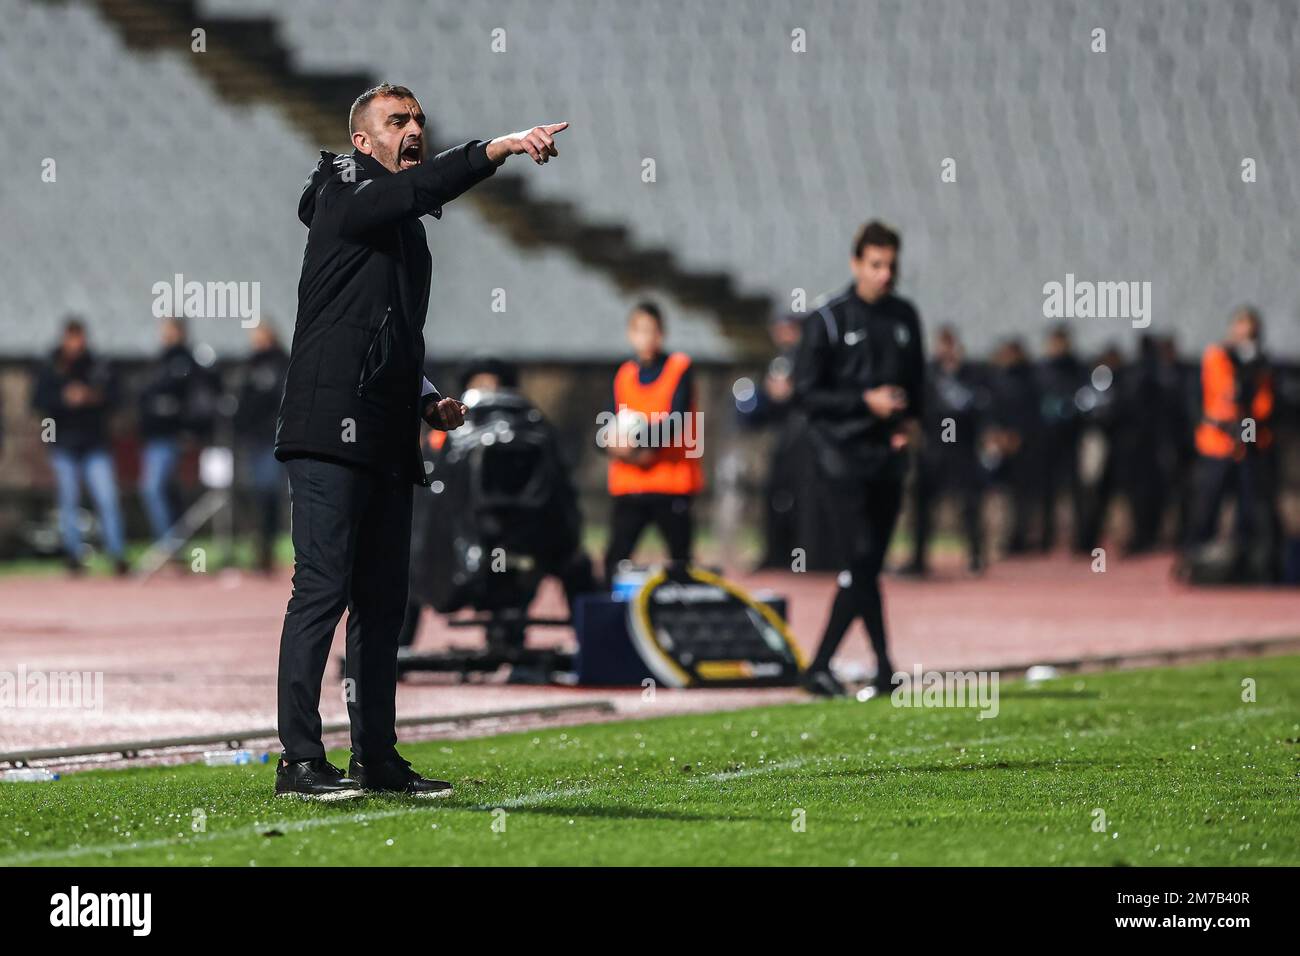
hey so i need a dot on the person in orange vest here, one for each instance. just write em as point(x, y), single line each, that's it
point(1234, 440)
point(654, 444)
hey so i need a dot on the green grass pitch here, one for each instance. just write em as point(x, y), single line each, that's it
point(1184, 771)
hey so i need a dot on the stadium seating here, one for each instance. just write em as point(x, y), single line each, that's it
point(1123, 165)
point(180, 181)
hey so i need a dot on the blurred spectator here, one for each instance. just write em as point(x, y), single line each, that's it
point(1015, 439)
point(1184, 382)
point(1235, 443)
point(260, 383)
point(771, 403)
point(165, 415)
point(76, 391)
point(956, 401)
point(1156, 439)
point(1110, 414)
point(795, 515)
point(1061, 375)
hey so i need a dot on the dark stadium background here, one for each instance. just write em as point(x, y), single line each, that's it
point(1116, 165)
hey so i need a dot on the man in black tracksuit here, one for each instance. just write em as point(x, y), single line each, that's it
point(349, 423)
point(859, 376)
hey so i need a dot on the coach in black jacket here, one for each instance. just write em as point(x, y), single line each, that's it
point(349, 421)
point(860, 377)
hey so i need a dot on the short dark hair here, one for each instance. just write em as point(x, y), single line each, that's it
point(361, 102)
point(1248, 312)
point(650, 309)
point(875, 233)
point(74, 323)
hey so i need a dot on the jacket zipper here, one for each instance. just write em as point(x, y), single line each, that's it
point(365, 380)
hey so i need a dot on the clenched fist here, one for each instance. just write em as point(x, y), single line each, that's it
point(444, 415)
point(538, 142)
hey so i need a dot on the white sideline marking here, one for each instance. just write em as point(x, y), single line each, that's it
point(542, 796)
point(792, 764)
point(532, 799)
point(294, 826)
point(255, 829)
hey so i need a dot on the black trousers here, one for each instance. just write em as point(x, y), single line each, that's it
point(1059, 459)
point(937, 475)
point(1146, 483)
point(632, 514)
point(1097, 501)
point(1252, 484)
point(1024, 479)
point(869, 513)
point(351, 542)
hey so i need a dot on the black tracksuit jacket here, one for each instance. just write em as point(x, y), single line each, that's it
point(849, 346)
point(352, 389)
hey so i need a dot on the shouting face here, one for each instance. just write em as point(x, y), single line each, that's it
point(392, 131)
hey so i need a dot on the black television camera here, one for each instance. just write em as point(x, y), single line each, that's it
point(500, 515)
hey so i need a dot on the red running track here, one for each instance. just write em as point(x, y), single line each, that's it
point(189, 655)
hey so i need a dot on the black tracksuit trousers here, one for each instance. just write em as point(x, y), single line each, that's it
point(869, 513)
point(351, 540)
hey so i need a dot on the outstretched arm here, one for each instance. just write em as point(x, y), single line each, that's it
point(425, 188)
point(371, 203)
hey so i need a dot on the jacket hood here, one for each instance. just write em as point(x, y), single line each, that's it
point(328, 166)
point(319, 176)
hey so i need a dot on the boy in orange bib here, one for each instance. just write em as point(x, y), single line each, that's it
point(654, 467)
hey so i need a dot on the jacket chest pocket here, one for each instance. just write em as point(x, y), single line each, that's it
point(379, 353)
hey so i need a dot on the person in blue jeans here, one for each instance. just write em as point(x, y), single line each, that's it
point(74, 394)
point(260, 382)
point(167, 412)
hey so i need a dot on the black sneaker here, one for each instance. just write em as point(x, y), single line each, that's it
point(315, 779)
point(822, 683)
point(396, 776)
